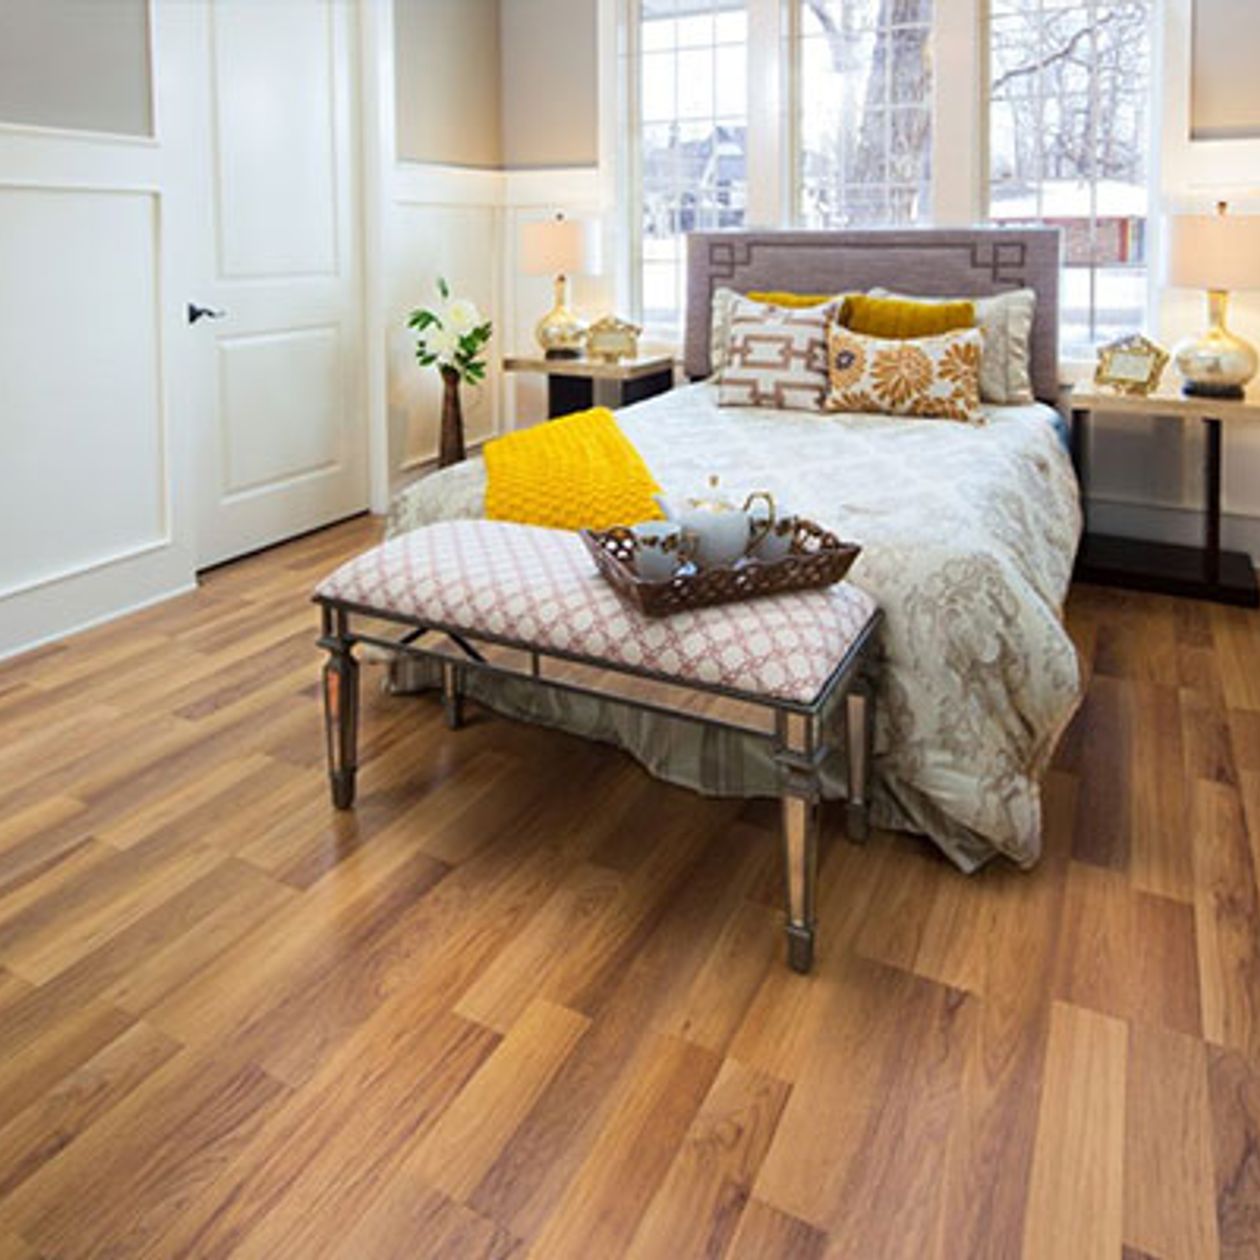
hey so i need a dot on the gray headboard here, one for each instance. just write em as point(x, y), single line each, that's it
point(945, 262)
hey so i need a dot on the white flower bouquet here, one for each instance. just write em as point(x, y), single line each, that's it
point(453, 338)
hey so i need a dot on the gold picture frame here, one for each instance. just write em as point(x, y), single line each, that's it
point(1132, 365)
point(611, 339)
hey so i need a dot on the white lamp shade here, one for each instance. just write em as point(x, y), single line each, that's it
point(554, 247)
point(1214, 251)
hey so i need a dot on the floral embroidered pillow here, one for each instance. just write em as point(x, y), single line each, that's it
point(934, 378)
point(776, 356)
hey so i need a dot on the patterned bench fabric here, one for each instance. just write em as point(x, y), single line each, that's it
point(539, 587)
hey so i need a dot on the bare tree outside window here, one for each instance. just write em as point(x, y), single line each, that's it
point(865, 88)
point(1069, 144)
point(1069, 111)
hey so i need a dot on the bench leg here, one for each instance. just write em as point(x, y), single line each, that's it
point(341, 715)
point(800, 805)
point(453, 695)
point(800, 856)
point(860, 725)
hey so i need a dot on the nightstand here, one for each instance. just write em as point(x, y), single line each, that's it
point(576, 384)
point(1206, 572)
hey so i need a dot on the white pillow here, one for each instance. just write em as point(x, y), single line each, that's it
point(1005, 321)
point(720, 328)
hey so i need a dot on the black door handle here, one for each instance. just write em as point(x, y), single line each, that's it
point(196, 312)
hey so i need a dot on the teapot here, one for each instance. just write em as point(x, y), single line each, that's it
point(716, 531)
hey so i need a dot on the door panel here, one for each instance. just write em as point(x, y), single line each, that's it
point(294, 378)
point(274, 87)
point(283, 443)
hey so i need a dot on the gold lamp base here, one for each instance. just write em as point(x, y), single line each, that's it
point(1216, 364)
point(560, 333)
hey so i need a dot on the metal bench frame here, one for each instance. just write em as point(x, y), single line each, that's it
point(840, 717)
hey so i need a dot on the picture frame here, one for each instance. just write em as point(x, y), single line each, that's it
point(610, 340)
point(1131, 365)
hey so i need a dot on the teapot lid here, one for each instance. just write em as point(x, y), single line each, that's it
point(713, 500)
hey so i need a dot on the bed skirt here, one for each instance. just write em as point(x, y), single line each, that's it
point(706, 759)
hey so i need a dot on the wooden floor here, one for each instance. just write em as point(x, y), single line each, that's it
point(528, 1000)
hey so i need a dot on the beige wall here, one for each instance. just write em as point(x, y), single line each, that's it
point(446, 81)
point(550, 83)
point(496, 83)
point(1226, 70)
point(76, 64)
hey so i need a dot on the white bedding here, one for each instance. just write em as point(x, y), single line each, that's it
point(968, 536)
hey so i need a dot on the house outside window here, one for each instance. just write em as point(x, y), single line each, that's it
point(692, 143)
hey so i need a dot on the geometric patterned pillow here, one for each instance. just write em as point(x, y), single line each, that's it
point(776, 356)
point(928, 377)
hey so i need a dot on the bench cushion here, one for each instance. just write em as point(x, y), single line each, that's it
point(539, 588)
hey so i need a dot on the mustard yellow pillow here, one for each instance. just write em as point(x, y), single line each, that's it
point(898, 319)
point(794, 301)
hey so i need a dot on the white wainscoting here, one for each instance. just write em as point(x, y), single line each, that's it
point(441, 221)
point(90, 457)
point(464, 224)
point(79, 359)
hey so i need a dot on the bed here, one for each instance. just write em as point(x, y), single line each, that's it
point(969, 536)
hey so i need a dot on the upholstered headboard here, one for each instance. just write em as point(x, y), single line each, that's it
point(970, 262)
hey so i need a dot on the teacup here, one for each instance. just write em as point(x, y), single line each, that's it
point(658, 549)
point(776, 542)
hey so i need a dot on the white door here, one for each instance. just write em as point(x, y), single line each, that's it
point(280, 436)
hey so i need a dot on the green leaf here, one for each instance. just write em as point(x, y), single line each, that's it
point(443, 289)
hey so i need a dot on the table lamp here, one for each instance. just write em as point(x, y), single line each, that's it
point(557, 247)
point(1217, 252)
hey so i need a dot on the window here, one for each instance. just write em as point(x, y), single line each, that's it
point(1069, 144)
point(692, 138)
point(864, 119)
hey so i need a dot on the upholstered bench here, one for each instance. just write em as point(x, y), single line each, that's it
point(480, 587)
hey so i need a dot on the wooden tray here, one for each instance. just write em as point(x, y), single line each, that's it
point(818, 558)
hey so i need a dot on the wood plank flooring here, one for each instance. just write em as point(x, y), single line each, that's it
point(525, 1000)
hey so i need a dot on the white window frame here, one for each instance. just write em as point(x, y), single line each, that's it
point(960, 127)
point(1078, 360)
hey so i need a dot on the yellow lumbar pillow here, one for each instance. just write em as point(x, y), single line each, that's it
point(794, 301)
point(899, 319)
point(577, 472)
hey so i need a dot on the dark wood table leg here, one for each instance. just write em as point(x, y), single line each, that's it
point(1212, 501)
point(1080, 455)
point(341, 707)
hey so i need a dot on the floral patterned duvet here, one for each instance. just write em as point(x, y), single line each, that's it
point(968, 535)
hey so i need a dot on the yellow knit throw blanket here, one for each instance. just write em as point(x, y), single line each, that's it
point(577, 472)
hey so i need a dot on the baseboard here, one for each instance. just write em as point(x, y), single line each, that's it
point(8, 653)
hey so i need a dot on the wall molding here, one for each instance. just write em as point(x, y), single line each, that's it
point(70, 572)
point(162, 538)
point(7, 653)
